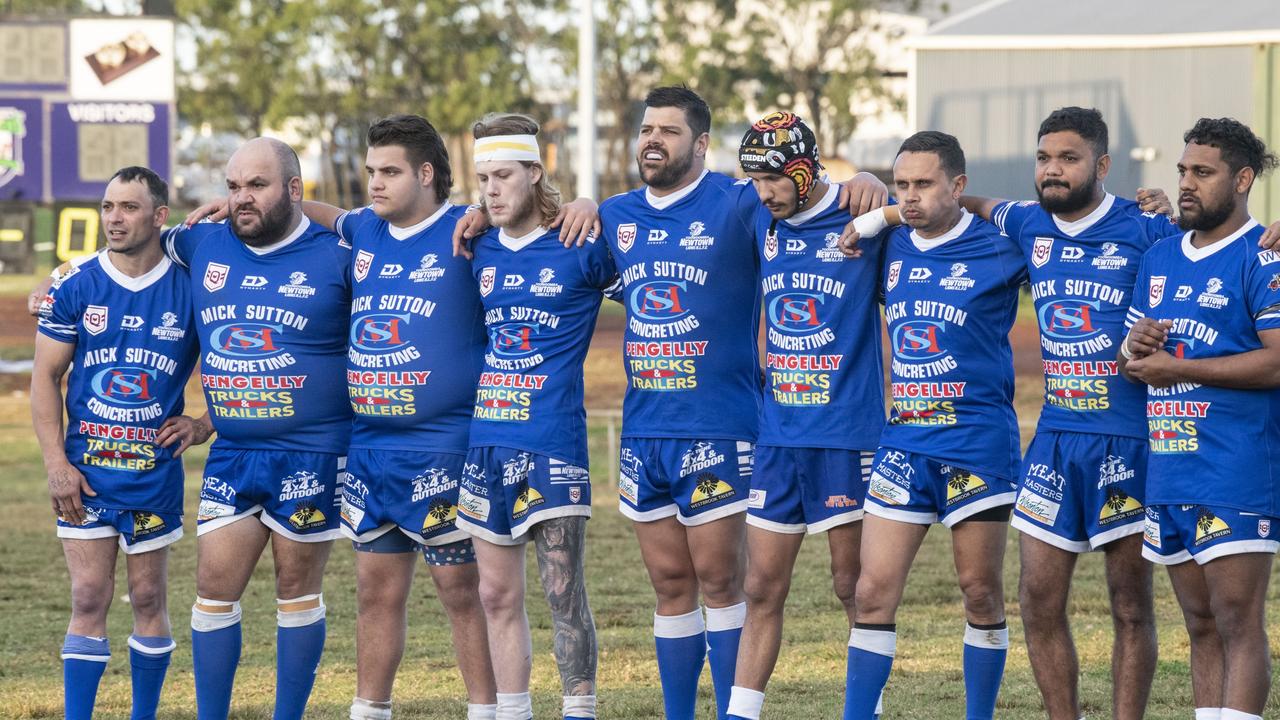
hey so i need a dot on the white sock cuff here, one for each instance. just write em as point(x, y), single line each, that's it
point(202, 621)
point(679, 626)
point(303, 617)
point(997, 639)
point(726, 618)
point(149, 650)
point(514, 706)
point(1207, 713)
point(880, 642)
point(579, 706)
point(362, 709)
point(1229, 714)
point(477, 711)
point(745, 703)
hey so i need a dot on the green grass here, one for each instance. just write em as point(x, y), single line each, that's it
point(926, 681)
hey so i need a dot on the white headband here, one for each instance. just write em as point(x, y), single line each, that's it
point(507, 147)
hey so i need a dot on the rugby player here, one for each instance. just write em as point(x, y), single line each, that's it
point(526, 474)
point(122, 322)
point(1205, 338)
point(684, 245)
point(950, 451)
point(272, 309)
point(416, 343)
point(823, 384)
point(1082, 481)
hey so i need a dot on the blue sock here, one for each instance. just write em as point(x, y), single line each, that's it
point(724, 631)
point(871, 650)
point(84, 659)
point(215, 655)
point(985, 649)
point(681, 642)
point(148, 663)
point(299, 644)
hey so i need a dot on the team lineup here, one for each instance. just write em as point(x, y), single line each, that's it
point(460, 335)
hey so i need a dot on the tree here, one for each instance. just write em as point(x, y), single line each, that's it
point(747, 55)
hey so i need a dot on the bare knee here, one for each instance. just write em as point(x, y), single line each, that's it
point(845, 583)
point(873, 598)
point(983, 597)
point(674, 584)
point(459, 589)
point(767, 590)
point(500, 598)
point(91, 597)
point(148, 597)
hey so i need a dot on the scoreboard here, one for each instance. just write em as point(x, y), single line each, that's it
point(79, 99)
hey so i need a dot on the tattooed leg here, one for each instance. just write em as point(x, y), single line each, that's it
point(559, 545)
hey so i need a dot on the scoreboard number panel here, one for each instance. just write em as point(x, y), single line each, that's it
point(105, 148)
point(33, 54)
point(77, 231)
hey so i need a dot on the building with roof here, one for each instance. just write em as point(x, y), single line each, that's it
point(990, 74)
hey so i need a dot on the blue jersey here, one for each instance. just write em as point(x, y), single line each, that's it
point(540, 304)
point(417, 334)
point(1082, 278)
point(950, 302)
point(688, 268)
point(824, 379)
point(273, 335)
point(1212, 445)
point(135, 348)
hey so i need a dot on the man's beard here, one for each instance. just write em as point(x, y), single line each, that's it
point(1208, 217)
point(273, 225)
point(1077, 198)
point(668, 175)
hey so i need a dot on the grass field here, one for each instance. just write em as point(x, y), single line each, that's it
point(926, 681)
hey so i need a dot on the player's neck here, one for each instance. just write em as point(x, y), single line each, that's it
point(139, 262)
point(942, 227)
point(425, 208)
point(816, 194)
point(523, 227)
point(1099, 194)
point(1204, 238)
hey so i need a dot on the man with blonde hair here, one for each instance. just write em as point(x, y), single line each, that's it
point(526, 472)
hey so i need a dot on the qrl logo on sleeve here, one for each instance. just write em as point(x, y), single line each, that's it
point(364, 260)
point(1041, 251)
point(487, 276)
point(95, 319)
point(895, 271)
point(626, 236)
point(215, 276)
point(1155, 291)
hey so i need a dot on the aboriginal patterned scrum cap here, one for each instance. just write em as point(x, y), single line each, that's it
point(781, 143)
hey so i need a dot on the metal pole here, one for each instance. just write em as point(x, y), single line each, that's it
point(587, 100)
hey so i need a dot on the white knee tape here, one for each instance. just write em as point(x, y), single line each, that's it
point(311, 611)
point(209, 615)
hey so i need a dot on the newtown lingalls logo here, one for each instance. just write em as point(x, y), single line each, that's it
point(364, 260)
point(487, 276)
point(168, 329)
point(1041, 251)
point(95, 319)
point(296, 287)
point(13, 128)
point(1155, 290)
point(215, 276)
point(427, 270)
point(626, 236)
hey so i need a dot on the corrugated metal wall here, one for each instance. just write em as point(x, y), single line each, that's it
point(994, 100)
